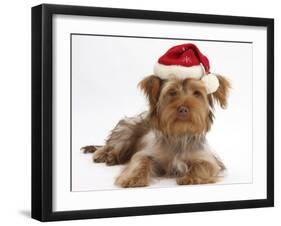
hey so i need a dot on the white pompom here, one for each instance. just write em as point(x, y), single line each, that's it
point(211, 82)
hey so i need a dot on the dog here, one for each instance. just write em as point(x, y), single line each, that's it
point(169, 140)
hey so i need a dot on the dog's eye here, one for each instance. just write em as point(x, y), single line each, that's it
point(197, 93)
point(173, 93)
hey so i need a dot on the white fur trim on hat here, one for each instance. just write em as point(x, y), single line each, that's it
point(165, 71)
point(211, 82)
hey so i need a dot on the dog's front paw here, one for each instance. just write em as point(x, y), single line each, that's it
point(188, 180)
point(132, 181)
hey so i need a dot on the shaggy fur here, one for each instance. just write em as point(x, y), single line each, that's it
point(168, 140)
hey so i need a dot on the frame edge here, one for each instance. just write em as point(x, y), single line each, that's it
point(36, 69)
point(270, 112)
point(41, 73)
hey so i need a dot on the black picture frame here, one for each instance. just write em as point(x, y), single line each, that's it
point(42, 107)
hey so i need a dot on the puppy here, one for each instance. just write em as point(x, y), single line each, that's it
point(169, 139)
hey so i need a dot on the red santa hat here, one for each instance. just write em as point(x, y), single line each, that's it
point(186, 61)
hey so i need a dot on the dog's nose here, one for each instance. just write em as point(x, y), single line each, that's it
point(182, 111)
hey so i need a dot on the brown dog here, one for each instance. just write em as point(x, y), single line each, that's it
point(168, 140)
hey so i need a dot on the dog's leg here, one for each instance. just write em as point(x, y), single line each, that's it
point(203, 168)
point(137, 173)
point(111, 155)
point(122, 143)
point(104, 153)
point(101, 153)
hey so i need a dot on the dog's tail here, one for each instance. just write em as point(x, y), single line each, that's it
point(90, 148)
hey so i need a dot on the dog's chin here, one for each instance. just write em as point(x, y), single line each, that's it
point(181, 126)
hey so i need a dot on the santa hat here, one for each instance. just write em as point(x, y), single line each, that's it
point(186, 61)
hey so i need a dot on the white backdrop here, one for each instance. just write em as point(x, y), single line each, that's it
point(105, 74)
point(15, 112)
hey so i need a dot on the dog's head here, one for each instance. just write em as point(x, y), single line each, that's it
point(182, 106)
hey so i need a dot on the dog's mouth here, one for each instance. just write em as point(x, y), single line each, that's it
point(182, 117)
point(184, 120)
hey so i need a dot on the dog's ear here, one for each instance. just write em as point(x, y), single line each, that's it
point(151, 86)
point(221, 94)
